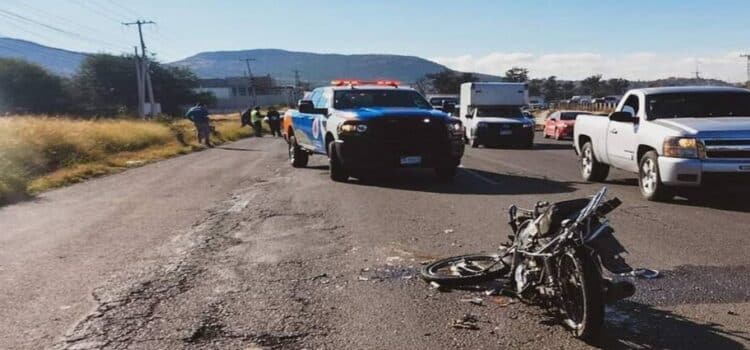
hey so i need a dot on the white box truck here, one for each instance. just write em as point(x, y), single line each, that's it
point(492, 114)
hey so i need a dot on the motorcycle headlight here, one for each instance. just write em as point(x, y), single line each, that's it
point(683, 147)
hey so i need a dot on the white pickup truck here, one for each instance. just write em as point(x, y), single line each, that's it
point(671, 137)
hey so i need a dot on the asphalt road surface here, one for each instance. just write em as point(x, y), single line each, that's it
point(231, 248)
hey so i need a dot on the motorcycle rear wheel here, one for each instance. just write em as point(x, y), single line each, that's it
point(581, 300)
point(465, 269)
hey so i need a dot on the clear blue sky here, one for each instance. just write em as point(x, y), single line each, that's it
point(462, 34)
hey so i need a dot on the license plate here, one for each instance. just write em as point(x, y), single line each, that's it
point(506, 132)
point(411, 160)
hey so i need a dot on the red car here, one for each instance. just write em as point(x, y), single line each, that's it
point(560, 124)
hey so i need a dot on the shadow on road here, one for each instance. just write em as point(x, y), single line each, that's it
point(731, 199)
point(634, 325)
point(467, 181)
point(554, 146)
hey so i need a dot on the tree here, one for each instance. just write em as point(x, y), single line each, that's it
point(28, 87)
point(448, 81)
point(592, 85)
point(517, 74)
point(551, 88)
point(568, 89)
point(617, 86)
point(106, 84)
point(535, 87)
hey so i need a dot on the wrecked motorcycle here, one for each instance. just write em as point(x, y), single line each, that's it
point(554, 258)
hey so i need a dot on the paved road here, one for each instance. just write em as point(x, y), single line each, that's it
point(232, 248)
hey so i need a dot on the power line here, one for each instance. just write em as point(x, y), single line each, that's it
point(17, 17)
point(57, 19)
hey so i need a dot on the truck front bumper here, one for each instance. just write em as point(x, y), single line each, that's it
point(365, 153)
point(697, 172)
point(517, 135)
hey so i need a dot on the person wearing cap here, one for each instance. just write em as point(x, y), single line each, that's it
point(256, 118)
point(200, 117)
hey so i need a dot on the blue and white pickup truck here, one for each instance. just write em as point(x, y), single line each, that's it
point(671, 137)
point(366, 126)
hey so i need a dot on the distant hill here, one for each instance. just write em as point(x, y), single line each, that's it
point(58, 61)
point(313, 67)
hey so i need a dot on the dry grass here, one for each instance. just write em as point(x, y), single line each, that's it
point(41, 152)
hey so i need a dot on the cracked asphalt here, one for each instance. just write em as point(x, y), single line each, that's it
point(231, 248)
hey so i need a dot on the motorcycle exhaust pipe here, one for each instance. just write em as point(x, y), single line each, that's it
point(614, 291)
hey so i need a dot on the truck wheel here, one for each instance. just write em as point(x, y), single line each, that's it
point(297, 156)
point(337, 171)
point(591, 169)
point(649, 178)
point(446, 174)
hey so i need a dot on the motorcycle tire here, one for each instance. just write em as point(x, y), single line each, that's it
point(582, 298)
point(465, 270)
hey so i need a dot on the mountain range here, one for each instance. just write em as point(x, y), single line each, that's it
point(58, 61)
point(280, 64)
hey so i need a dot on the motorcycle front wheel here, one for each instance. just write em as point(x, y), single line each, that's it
point(581, 294)
point(465, 269)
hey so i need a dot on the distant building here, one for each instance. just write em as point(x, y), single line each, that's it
point(235, 93)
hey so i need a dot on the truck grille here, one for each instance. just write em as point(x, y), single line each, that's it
point(727, 148)
point(408, 129)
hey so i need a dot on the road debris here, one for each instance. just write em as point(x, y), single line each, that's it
point(393, 260)
point(363, 278)
point(475, 301)
point(642, 273)
point(503, 300)
point(468, 321)
point(448, 231)
point(322, 275)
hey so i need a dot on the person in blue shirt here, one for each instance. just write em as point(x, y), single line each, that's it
point(200, 117)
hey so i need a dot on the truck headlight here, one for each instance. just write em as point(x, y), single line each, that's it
point(527, 125)
point(481, 125)
point(455, 128)
point(351, 127)
point(683, 147)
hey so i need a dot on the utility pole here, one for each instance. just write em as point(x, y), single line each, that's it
point(697, 71)
point(747, 56)
point(144, 77)
point(139, 79)
point(297, 87)
point(251, 80)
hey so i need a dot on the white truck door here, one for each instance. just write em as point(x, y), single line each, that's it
point(621, 137)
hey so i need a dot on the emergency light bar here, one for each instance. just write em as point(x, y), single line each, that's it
point(393, 83)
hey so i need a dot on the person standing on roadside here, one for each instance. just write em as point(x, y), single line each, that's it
point(256, 118)
point(274, 121)
point(200, 117)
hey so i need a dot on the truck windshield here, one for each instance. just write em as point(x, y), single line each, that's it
point(500, 112)
point(356, 98)
point(698, 105)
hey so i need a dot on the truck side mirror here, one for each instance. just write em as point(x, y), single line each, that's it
point(305, 106)
point(624, 117)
